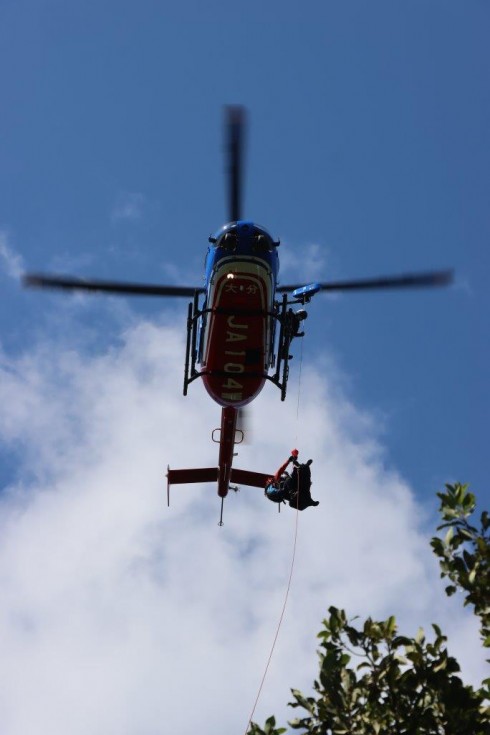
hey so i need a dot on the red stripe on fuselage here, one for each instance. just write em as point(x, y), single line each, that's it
point(237, 332)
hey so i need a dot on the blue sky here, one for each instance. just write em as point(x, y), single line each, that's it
point(368, 153)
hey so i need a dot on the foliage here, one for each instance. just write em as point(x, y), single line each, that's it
point(464, 553)
point(373, 681)
point(269, 728)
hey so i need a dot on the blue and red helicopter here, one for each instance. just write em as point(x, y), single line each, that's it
point(241, 324)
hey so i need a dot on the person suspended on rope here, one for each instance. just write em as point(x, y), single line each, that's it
point(293, 488)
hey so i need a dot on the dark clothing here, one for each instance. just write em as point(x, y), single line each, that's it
point(299, 485)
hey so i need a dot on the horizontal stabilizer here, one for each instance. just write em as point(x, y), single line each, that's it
point(183, 477)
point(244, 477)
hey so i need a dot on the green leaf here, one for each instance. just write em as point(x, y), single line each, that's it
point(437, 630)
point(449, 535)
point(437, 544)
point(302, 700)
point(401, 659)
point(402, 640)
point(441, 665)
point(482, 545)
point(390, 626)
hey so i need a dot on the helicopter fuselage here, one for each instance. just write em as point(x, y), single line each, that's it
point(237, 321)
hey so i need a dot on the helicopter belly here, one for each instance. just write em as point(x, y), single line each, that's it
point(237, 334)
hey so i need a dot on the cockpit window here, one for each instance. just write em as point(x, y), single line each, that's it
point(228, 241)
point(262, 243)
point(228, 237)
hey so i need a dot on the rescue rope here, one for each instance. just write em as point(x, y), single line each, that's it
point(278, 628)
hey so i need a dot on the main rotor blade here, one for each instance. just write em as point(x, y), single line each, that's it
point(408, 280)
point(235, 134)
point(68, 283)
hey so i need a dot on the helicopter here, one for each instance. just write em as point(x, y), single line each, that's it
point(242, 322)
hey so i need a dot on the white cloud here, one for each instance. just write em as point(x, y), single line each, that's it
point(309, 260)
point(118, 615)
point(12, 262)
point(128, 207)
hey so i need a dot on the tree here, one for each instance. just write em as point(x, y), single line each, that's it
point(464, 553)
point(374, 681)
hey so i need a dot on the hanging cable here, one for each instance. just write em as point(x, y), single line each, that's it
point(278, 628)
point(281, 616)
